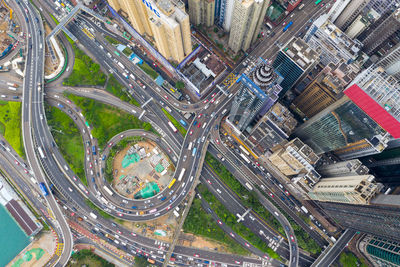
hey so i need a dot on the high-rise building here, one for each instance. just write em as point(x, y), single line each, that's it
point(257, 94)
point(337, 9)
point(202, 12)
point(344, 168)
point(349, 13)
point(325, 89)
point(164, 20)
point(331, 43)
point(273, 128)
point(360, 123)
point(357, 189)
point(380, 220)
point(391, 62)
point(293, 61)
point(382, 251)
point(247, 19)
point(294, 158)
point(223, 13)
point(377, 37)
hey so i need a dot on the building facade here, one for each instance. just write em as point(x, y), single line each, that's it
point(360, 123)
point(384, 252)
point(391, 62)
point(359, 189)
point(350, 13)
point(164, 20)
point(344, 168)
point(293, 61)
point(257, 94)
point(247, 18)
point(202, 12)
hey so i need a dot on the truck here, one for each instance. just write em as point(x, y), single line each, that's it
point(304, 209)
point(183, 122)
point(120, 64)
point(13, 85)
point(12, 88)
point(43, 188)
point(94, 216)
point(133, 76)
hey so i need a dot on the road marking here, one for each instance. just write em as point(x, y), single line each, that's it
point(141, 115)
point(241, 217)
point(148, 101)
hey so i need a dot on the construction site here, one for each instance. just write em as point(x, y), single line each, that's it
point(141, 170)
point(9, 30)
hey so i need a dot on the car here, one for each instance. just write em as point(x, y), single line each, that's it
point(198, 125)
point(217, 141)
point(168, 208)
point(119, 232)
point(292, 238)
point(73, 177)
point(90, 165)
point(262, 34)
point(110, 144)
point(232, 234)
point(213, 94)
point(133, 234)
point(121, 136)
point(25, 170)
point(292, 15)
point(166, 97)
point(131, 86)
point(284, 23)
point(88, 151)
point(196, 255)
point(322, 5)
point(16, 162)
point(68, 101)
point(237, 262)
point(191, 132)
point(266, 257)
point(247, 244)
point(70, 189)
point(205, 101)
point(208, 181)
point(86, 192)
point(287, 193)
point(120, 214)
point(200, 115)
point(212, 100)
point(270, 194)
point(257, 163)
point(219, 222)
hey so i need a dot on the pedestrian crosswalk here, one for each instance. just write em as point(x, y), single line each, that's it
point(59, 249)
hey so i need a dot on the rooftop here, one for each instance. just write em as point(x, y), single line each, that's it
point(300, 53)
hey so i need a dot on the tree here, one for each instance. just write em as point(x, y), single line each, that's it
point(179, 85)
point(141, 262)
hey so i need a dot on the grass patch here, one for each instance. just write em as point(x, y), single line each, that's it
point(86, 257)
point(225, 215)
point(149, 70)
point(349, 259)
point(127, 51)
point(304, 240)
point(102, 213)
point(111, 40)
point(178, 126)
point(54, 18)
point(114, 150)
point(106, 120)
point(199, 222)
point(248, 198)
point(117, 89)
point(85, 71)
point(68, 139)
point(10, 125)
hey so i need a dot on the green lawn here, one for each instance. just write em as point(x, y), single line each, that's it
point(68, 139)
point(200, 223)
point(106, 120)
point(85, 71)
point(117, 89)
point(226, 216)
point(248, 198)
point(178, 126)
point(10, 125)
point(85, 257)
point(349, 260)
point(102, 213)
point(149, 70)
point(127, 51)
point(111, 40)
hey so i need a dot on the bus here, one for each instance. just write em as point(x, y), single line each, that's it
point(108, 190)
point(181, 175)
point(41, 152)
point(172, 127)
point(194, 152)
point(245, 158)
point(183, 122)
point(190, 145)
point(249, 186)
point(87, 124)
point(171, 183)
point(318, 1)
point(94, 150)
point(287, 26)
point(244, 150)
point(104, 200)
point(116, 53)
point(43, 188)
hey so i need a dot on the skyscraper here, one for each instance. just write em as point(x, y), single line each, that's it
point(164, 20)
point(360, 123)
point(349, 13)
point(391, 62)
point(223, 13)
point(258, 92)
point(293, 61)
point(380, 220)
point(202, 12)
point(358, 189)
point(385, 30)
point(247, 19)
point(325, 89)
point(384, 252)
point(343, 168)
